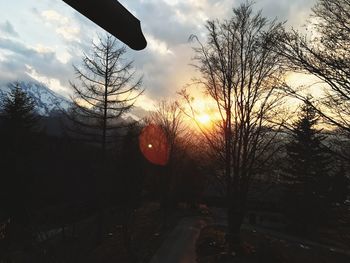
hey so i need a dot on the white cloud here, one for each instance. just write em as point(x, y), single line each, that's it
point(69, 33)
point(65, 27)
point(52, 15)
point(158, 46)
point(43, 49)
point(52, 83)
point(145, 102)
point(63, 56)
point(2, 57)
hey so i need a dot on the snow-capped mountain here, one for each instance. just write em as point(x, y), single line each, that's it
point(46, 100)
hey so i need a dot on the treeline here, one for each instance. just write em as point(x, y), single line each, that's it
point(243, 64)
point(252, 139)
point(92, 168)
point(55, 182)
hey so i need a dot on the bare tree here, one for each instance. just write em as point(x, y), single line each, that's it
point(169, 117)
point(325, 54)
point(108, 88)
point(241, 71)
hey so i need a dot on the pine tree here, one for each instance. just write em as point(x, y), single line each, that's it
point(20, 124)
point(307, 171)
point(18, 112)
point(307, 157)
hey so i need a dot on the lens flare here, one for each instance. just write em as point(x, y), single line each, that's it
point(154, 145)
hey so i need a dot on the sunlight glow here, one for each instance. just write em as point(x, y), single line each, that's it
point(204, 119)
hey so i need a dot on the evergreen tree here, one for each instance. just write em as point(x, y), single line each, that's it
point(307, 171)
point(307, 157)
point(20, 123)
point(18, 112)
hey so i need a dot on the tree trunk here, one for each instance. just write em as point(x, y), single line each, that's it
point(235, 215)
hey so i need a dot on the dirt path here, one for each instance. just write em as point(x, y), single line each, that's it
point(179, 246)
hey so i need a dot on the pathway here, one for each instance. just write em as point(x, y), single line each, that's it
point(179, 246)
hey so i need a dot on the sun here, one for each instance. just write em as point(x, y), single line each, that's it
point(204, 119)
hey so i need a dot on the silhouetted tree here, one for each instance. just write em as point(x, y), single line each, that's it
point(18, 112)
point(169, 117)
point(108, 89)
point(20, 123)
point(307, 171)
point(325, 53)
point(241, 71)
point(131, 166)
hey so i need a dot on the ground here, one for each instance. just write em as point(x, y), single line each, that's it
point(179, 246)
point(186, 236)
point(153, 239)
point(265, 245)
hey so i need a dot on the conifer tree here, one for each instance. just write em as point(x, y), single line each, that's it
point(18, 112)
point(307, 157)
point(307, 170)
point(20, 124)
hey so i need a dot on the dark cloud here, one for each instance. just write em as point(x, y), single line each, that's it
point(16, 47)
point(8, 28)
point(19, 57)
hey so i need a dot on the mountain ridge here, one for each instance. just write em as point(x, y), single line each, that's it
point(46, 100)
point(49, 102)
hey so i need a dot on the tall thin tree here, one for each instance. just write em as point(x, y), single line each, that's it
point(108, 88)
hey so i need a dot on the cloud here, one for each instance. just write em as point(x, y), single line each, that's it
point(158, 46)
point(167, 25)
point(53, 83)
point(8, 29)
point(23, 62)
point(65, 27)
point(15, 47)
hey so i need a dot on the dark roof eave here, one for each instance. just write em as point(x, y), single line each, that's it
point(114, 18)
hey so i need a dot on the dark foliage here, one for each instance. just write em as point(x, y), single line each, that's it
point(19, 137)
point(307, 172)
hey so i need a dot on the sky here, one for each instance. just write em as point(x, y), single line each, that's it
point(43, 39)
